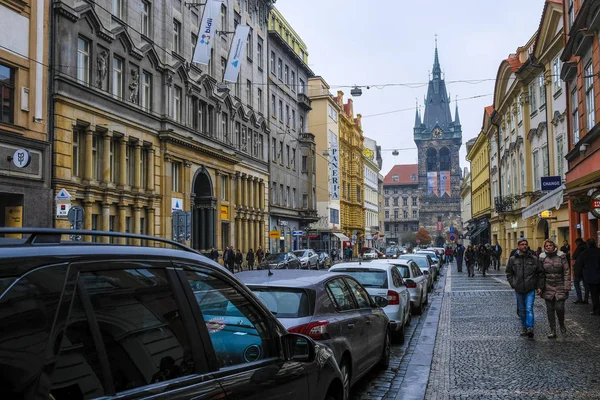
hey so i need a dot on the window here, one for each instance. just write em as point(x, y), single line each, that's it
point(273, 193)
point(143, 167)
point(287, 196)
point(279, 69)
point(281, 195)
point(146, 100)
point(193, 43)
point(249, 46)
point(405, 214)
point(294, 159)
point(281, 110)
point(274, 149)
point(387, 202)
point(223, 18)
point(286, 75)
point(589, 95)
point(556, 81)
point(281, 151)
point(515, 175)
point(145, 15)
point(387, 214)
point(575, 113)
point(249, 92)
point(78, 149)
point(294, 197)
point(542, 90)
point(300, 86)
point(405, 201)
point(130, 161)
point(536, 173)
point(301, 126)
point(224, 127)
point(414, 201)
point(287, 152)
point(360, 294)
point(332, 113)
point(273, 67)
point(224, 186)
point(117, 80)
point(405, 227)
point(340, 294)
point(177, 103)
point(294, 119)
point(117, 8)
point(522, 168)
point(259, 97)
point(560, 158)
point(112, 295)
point(111, 159)
point(83, 63)
point(414, 214)
point(395, 200)
point(175, 177)
point(176, 36)
point(259, 52)
point(520, 111)
point(293, 81)
point(532, 97)
point(96, 157)
point(304, 164)
point(287, 115)
point(237, 19)
point(396, 213)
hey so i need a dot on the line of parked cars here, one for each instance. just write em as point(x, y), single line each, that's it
point(297, 259)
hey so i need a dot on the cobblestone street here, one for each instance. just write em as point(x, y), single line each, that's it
point(478, 353)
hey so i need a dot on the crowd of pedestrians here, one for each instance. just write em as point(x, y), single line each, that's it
point(234, 259)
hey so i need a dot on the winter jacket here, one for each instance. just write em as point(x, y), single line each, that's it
point(589, 263)
point(557, 274)
point(250, 257)
point(580, 249)
point(525, 273)
point(469, 257)
point(578, 267)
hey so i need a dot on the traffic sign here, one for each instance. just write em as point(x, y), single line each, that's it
point(297, 233)
point(75, 216)
point(452, 237)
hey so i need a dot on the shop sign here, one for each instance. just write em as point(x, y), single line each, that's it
point(581, 204)
point(224, 212)
point(13, 218)
point(551, 182)
point(596, 204)
point(176, 204)
point(334, 168)
point(274, 234)
point(545, 214)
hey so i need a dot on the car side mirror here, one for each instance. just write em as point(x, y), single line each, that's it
point(299, 347)
point(380, 301)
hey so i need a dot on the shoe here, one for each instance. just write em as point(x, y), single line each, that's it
point(530, 333)
point(563, 329)
point(577, 302)
point(552, 335)
point(523, 332)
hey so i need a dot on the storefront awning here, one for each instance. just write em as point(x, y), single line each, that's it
point(480, 228)
point(342, 237)
point(554, 199)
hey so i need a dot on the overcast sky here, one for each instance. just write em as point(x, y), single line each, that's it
point(392, 41)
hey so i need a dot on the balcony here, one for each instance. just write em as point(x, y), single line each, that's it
point(504, 204)
point(307, 137)
point(304, 101)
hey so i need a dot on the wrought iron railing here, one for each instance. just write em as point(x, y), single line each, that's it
point(505, 203)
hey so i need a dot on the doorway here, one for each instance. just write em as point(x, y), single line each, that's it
point(204, 211)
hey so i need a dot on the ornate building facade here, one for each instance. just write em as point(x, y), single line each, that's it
point(401, 203)
point(372, 161)
point(438, 139)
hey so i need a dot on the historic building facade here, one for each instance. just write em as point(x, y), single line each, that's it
point(402, 202)
point(465, 195)
point(372, 165)
point(140, 132)
point(293, 199)
point(438, 139)
point(25, 167)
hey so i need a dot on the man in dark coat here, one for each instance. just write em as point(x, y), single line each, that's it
point(229, 258)
point(214, 255)
point(589, 261)
point(460, 252)
point(526, 276)
point(496, 254)
point(578, 273)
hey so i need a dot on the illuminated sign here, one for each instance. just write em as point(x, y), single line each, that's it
point(545, 214)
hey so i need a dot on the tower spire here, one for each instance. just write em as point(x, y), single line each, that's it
point(417, 116)
point(456, 117)
point(437, 70)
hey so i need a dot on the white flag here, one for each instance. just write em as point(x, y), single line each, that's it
point(236, 53)
point(206, 35)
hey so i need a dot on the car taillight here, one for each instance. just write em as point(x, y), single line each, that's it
point(317, 330)
point(410, 284)
point(393, 298)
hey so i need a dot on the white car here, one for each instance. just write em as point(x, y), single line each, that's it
point(415, 281)
point(385, 280)
point(308, 258)
point(370, 255)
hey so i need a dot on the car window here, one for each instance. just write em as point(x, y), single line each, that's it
point(27, 313)
point(369, 278)
point(421, 262)
point(239, 332)
point(360, 294)
point(284, 302)
point(396, 278)
point(340, 294)
point(141, 330)
point(416, 270)
point(404, 271)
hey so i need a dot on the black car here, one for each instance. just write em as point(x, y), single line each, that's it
point(285, 260)
point(86, 320)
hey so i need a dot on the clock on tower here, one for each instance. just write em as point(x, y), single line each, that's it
point(437, 133)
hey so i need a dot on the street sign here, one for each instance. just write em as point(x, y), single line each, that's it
point(297, 233)
point(452, 237)
point(451, 229)
point(182, 225)
point(551, 182)
point(274, 234)
point(75, 216)
point(63, 195)
point(62, 210)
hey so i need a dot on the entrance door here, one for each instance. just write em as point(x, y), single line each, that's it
point(204, 212)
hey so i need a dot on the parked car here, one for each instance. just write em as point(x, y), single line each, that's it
point(333, 309)
point(324, 260)
point(370, 254)
point(89, 320)
point(379, 253)
point(425, 267)
point(430, 264)
point(381, 279)
point(308, 258)
point(433, 254)
point(415, 281)
point(392, 252)
point(280, 261)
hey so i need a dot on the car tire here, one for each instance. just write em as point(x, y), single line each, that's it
point(399, 335)
point(386, 351)
point(419, 309)
point(346, 376)
point(409, 319)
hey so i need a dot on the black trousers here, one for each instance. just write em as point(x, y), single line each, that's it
point(459, 263)
point(595, 294)
point(557, 307)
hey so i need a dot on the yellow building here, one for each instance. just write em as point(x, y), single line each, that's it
point(478, 155)
point(25, 170)
point(352, 173)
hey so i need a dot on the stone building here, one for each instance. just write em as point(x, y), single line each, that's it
point(26, 163)
point(140, 132)
point(372, 161)
point(401, 203)
point(465, 194)
point(438, 139)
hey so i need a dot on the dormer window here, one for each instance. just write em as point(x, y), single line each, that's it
point(413, 177)
point(395, 178)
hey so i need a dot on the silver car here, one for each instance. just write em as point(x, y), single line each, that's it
point(308, 258)
point(333, 309)
point(415, 281)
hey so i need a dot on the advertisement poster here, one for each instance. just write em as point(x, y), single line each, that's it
point(432, 183)
point(444, 182)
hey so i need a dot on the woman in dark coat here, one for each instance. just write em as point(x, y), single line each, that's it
point(239, 259)
point(470, 260)
point(557, 286)
point(250, 259)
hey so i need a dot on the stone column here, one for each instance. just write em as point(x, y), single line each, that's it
point(122, 211)
point(261, 196)
point(137, 170)
point(217, 215)
point(211, 228)
point(88, 153)
point(246, 235)
point(87, 218)
point(238, 190)
point(106, 220)
point(123, 161)
point(251, 192)
point(238, 232)
point(256, 193)
point(106, 167)
point(137, 223)
point(151, 168)
point(244, 190)
point(151, 217)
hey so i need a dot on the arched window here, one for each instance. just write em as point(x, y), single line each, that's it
point(444, 159)
point(514, 175)
point(431, 159)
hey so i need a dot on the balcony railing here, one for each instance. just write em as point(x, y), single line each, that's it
point(505, 203)
point(304, 101)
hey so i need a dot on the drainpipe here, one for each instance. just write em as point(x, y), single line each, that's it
point(50, 104)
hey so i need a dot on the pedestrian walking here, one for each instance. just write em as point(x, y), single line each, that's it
point(526, 276)
point(496, 255)
point(578, 273)
point(470, 261)
point(485, 254)
point(460, 252)
point(448, 253)
point(566, 249)
point(250, 259)
point(260, 254)
point(214, 254)
point(589, 261)
point(557, 284)
point(239, 259)
point(229, 259)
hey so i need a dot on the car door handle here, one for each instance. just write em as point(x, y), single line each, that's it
point(350, 325)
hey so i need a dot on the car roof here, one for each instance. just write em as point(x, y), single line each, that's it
point(285, 277)
point(365, 265)
point(393, 261)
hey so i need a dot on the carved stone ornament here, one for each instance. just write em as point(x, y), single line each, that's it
point(524, 98)
point(169, 79)
point(102, 61)
point(133, 85)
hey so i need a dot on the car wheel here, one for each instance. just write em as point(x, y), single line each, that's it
point(386, 351)
point(399, 335)
point(409, 319)
point(419, 309)
point(345, 370)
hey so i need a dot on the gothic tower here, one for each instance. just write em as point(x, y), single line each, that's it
point(438, 139)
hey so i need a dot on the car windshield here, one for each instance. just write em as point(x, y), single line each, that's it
point(369, 278)
point(403, 269)
point(299, 253)
point(390, 249)
point(284, 302)
point(277, 257)
point(421, 261)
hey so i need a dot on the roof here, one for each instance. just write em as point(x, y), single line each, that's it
point(513, 61)
point(284, 277)
point(437, 107)
point(404, 173)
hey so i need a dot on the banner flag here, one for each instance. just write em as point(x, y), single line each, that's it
point(206, 34)
point(236, 53)
point(444, 182)
point(432, 183)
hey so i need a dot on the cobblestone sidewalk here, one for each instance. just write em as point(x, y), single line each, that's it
point(479, 354)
